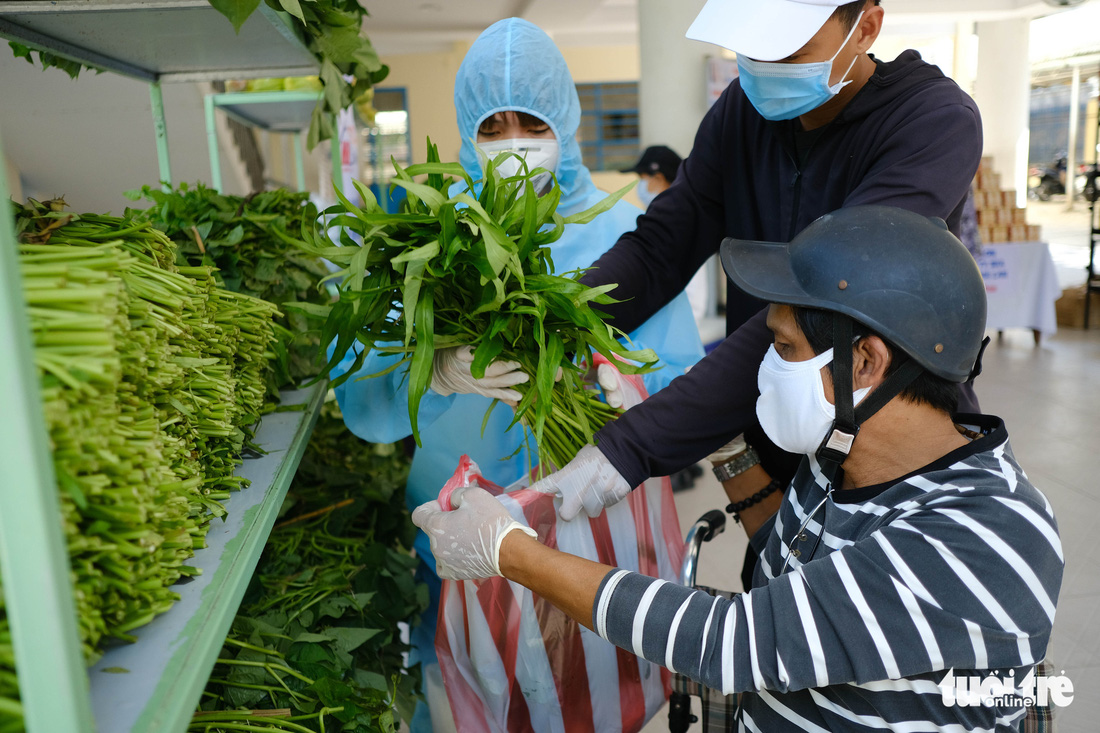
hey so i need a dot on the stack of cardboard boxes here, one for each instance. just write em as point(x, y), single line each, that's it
point(998, 218)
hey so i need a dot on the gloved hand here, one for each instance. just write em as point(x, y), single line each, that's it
point(587, 482)
point(610, 382)
point(466, 541)
point(728, 451)
point(451, 373)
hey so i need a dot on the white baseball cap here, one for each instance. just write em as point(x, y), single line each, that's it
point(764, 30)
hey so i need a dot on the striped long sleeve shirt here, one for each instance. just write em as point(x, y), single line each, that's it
point(956, 566)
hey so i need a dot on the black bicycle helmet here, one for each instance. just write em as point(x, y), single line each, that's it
point(903, 275)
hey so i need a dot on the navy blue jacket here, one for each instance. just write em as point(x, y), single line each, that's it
point(909, 138)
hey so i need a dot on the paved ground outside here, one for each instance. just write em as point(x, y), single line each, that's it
point(1067, 233)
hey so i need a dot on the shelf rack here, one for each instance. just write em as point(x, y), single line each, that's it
point(167, 667)
point(272, 111)
point(159, 41)
point(154, 41)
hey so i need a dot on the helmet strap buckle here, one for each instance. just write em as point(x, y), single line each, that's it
point(837, 444)
point(838, 441)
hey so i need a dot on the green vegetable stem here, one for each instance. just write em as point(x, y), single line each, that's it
point(151, 378)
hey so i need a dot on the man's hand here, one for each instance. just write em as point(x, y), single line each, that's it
point(451, 373)
point(466, 541)
point(587, 482)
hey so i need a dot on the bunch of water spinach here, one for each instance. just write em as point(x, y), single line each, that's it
point(470, 263)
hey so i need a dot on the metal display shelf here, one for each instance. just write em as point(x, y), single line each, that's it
point(167, 667)
point(160, 41)
point(273, 111)
point(155, 41)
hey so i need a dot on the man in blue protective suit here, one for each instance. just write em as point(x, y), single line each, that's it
point(514, 92)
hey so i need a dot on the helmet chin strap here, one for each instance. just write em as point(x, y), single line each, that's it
point(836, 446)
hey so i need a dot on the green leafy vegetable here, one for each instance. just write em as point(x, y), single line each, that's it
point(48, 60)
point(317, 635)
point(255, 244)
point(470, 263)
point(151, 378)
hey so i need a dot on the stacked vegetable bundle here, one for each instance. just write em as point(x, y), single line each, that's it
point(458, 270)
point(11, 712)
point(254, 242)
point(150, 377)
point(316, 640)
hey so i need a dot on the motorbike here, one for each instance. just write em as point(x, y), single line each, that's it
point(1050, 180)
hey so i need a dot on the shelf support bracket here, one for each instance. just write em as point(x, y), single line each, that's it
point(212, 143)
point(160, 128)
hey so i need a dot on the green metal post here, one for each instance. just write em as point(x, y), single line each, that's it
point(34, 561)
point(212, 144)
point(299, 163)
point(337, 162)
point(161, 130)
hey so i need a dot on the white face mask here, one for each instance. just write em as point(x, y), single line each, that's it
point(537, 152)
point(792, 408)
point(645, 193)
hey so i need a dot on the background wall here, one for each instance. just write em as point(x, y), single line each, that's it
point(597, 64)
point(428, 79)
point(91, 138)
point(15, 186)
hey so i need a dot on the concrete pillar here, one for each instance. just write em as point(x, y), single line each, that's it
point(1071, 149)
point(672, 99)
point(672, 88)
point(1002, 90)
point(962, 70)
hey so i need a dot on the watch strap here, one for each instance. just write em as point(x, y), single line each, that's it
point(737, 465)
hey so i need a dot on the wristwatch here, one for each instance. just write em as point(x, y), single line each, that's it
point(738, 464)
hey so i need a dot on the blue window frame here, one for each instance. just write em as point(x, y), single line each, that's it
point(608, 134)
point(388, 136)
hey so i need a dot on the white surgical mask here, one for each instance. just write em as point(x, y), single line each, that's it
point(537, 152)
point(645, 193)
point(792, 408)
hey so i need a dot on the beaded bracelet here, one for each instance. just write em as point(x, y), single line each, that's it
point(739, 506)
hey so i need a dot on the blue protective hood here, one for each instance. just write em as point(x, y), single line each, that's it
point(514, 66)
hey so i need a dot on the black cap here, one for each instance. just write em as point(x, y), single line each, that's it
point(657, 159)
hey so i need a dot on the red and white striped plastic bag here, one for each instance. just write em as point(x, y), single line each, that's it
point(513, 662)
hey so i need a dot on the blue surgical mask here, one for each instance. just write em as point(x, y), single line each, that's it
point(645, 193)
point(785, 91)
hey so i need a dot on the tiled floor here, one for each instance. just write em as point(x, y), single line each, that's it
point(1067, 233)
point(1049, 397)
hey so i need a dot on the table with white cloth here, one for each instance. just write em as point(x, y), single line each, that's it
point(1021, 285)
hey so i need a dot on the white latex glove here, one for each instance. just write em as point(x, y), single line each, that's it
point(587, 482)
point(466, 541)
point(728, 451)
point(451, 373)
point(611, 383)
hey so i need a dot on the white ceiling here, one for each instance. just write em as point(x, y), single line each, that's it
point(422, 26)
